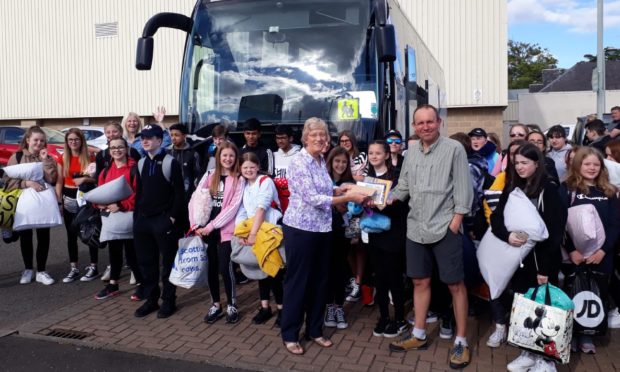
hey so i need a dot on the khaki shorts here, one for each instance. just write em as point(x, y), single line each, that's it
point(448, 253)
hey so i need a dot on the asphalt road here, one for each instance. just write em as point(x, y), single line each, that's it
point(23, 302)
point(23, 354)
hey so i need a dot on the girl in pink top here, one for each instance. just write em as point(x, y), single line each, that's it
point(226, 187)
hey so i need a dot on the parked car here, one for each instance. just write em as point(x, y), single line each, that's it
point(95, 136)
point(11, 137)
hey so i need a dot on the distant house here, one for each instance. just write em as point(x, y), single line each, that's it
point(566, 94)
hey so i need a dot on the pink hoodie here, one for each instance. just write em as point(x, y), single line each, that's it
point(225, 220)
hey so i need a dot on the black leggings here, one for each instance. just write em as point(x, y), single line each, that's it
point(43, 247)
point(274, 285)
point(339, 271)
point(72, 240)
point(116, 259)
point(218, 254)
point(389, 268)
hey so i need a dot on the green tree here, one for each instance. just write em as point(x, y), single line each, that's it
point(526, 62)
point(611, 54)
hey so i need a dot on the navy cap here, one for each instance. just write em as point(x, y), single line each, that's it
point(477, 132)
point(393, 133)
point(152, 130)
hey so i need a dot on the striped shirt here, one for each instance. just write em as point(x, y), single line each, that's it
point(438, 185)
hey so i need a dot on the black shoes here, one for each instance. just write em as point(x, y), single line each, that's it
point(146, 308)
point(263, 315)
point(167, 308)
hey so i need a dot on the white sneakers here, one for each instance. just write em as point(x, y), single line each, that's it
point(498, 337)
point(613, 318)
point(44, 278)
point(27, 276)
point(523, 363)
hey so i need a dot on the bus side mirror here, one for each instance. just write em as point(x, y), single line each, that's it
point(144, 53)
point(386, 43)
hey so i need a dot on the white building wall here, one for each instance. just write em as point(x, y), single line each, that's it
point(56, 68)
point(469, 39)
point(548, 109)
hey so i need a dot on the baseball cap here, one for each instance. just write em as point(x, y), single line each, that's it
point(393, 133)
point(477, 132)
point(152, 130)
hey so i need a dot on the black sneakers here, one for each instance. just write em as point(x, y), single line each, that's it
point(380, 327)
point(213, 315)
point(167, 308)
point(263, 315)
point(146, 308)
point(395, 328)
point(232, 315)
point(108, 291)
point(278, 319)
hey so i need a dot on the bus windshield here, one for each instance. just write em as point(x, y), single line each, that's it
point(279, 61)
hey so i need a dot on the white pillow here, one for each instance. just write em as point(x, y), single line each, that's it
point(499, 260)
point(110, 192)
point(37, 209)
point(614, 172)
point(26, 171)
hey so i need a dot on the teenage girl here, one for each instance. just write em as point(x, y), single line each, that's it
point(387, 248)
point(588, 183)
point(339, 168)
point(75, 161)
point(31, 150)
point(259, 194)
point(542, 264)
point(120, 166)
point(226, 187)
point(357, 258)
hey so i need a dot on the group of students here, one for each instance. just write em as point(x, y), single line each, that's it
point(554, 176)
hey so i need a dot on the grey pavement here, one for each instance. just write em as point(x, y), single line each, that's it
point(25, 354)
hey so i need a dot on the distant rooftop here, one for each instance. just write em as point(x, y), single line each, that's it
point(578, 78)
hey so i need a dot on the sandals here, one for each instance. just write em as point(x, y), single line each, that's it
point(294, 348)
point(323, 342)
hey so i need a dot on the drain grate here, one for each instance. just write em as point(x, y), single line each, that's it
point(68, 334)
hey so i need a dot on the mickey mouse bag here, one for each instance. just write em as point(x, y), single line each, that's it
point(541, 321)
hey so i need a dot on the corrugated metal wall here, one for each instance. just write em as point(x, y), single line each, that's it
point(54, 67)
point(469, 39)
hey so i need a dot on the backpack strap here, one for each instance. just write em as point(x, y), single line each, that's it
point(166, 166)
point(18, 156)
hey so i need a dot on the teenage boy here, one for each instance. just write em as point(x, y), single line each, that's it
point(219, 135)
point(282, 158)
point(190, 166)
point(159, 203)
point(557, 139)
point(252, 133)
point(596, 132)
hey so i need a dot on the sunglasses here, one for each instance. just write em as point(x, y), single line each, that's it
point(517, 135)
point(397, 141)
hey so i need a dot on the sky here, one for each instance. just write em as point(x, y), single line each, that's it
point(567, 28)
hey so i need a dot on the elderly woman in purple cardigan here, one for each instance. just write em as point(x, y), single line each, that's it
point(307, 238)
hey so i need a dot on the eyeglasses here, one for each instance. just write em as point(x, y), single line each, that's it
point(117, 148)
point(73, 140)
point(539, 142)
point(397, 141)
point(512, 135)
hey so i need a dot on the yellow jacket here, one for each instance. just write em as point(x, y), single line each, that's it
point(268, 239)
point(498, 185)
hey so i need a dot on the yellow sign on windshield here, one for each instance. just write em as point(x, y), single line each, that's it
point(348, 109)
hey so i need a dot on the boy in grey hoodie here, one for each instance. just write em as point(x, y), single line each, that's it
point(559, 147)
